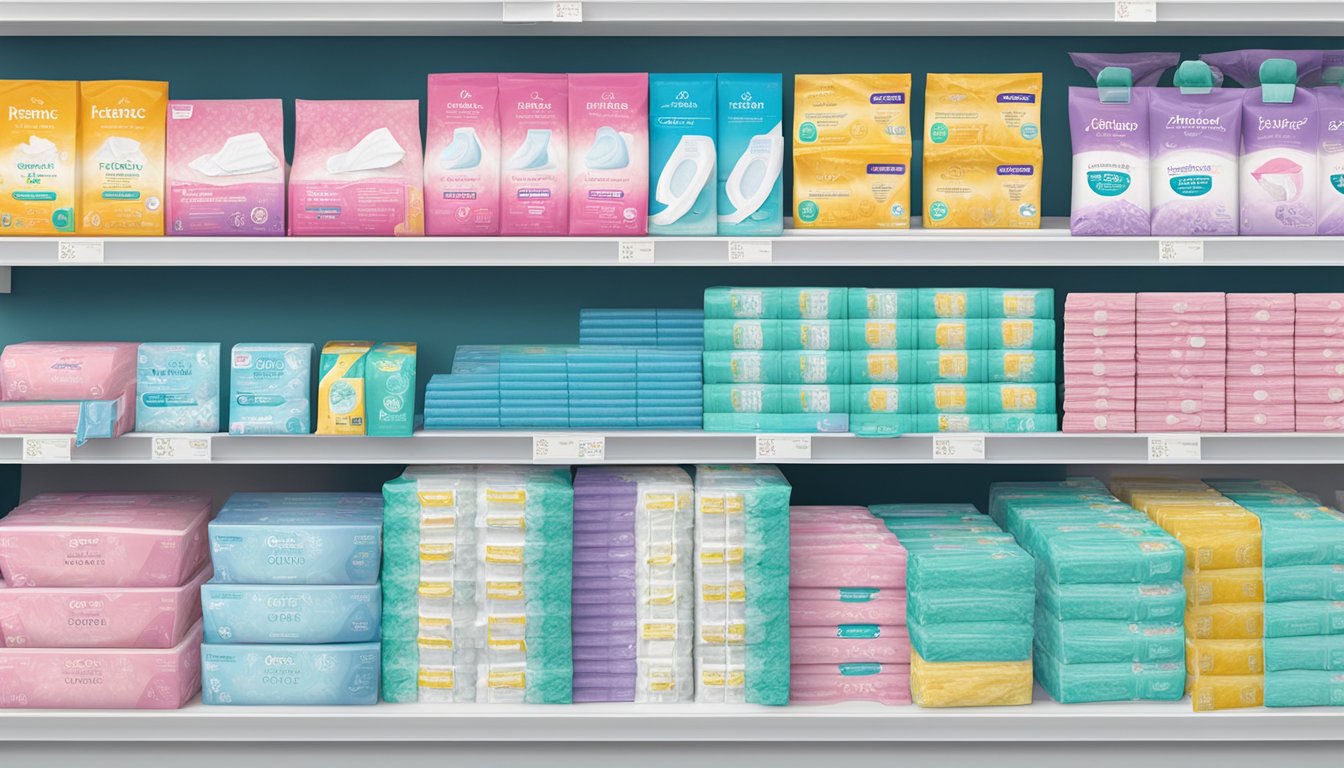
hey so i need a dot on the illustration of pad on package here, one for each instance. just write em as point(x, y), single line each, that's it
point(751, 155)
point(37, 157)
point(534, 131)
point(462, 150)
point(609, 129)
point(85, 389)
point(121, 143)
point(268, 392)
point(682, 157)
point(226, 167)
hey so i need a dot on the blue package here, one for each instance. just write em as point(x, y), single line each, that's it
point(296, 675)
point(682, 155)
point(177, 387)
point(278, 613)
point(306, 538)
point(751, 155)
point(269, 389)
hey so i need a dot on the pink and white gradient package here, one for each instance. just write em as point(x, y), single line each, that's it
point(1100, 369)
point(609, 154)
point(1181, 351)
point(1318, 358)
point(226, 167)
point(67, 370)
point(851, 681)
point(462, 155)
point(534, 175)
point(104, 540)
point(1261, 394)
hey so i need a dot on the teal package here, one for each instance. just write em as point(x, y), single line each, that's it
point(890, 366)
point(952, 333)
point(1037, 303)
point(750, 169)
point(743, 334)
point(389, 389)
point(880, 333)
point(814, 303)
point(1304, 582)
point(1319, 652)
point(949, 398)
point(743, 398)
point(970, 564)
point(177, 387)
point(1308, 617)
point(816, 335)
point(296, 675)
point(952, 534)
point(1105, 553)
point(881, 303)
point(1089, 641)
point(881, 424)
point(933, 423)
point(1153, 603)
point(275, 613)
point(922, 512)
point(269, 389)
point(1304, 688)
point(971, 640)
point(805, 366)
point(950, 303)
point(865, 399)
point(1025, 366)
point(776, 422)
point(946, 606)
point(1312, 536)
point(1019, 398)
point(1020, 334)
point(1082, 683)
point(815, 398)
point(726, 303)
point(742, 366)
point(935, 366)
point(682, 129)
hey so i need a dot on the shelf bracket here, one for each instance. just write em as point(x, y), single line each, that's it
point(5, 284)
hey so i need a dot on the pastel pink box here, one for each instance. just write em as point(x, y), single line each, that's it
point(1100, 422)
point(104, 540)
point(1319, 368)
point(882, 570)
point(832, 607)
point(1320, 302)
point(1320, 390)
point(1114, 318)
point(1117, 369)
point(67, 370)
point(1259, 368)
point(101, 678)
point(65, 617)
point(1181, 355)
point(1259, 301)
point(1100, 301)
point(1215, 369)
point(102, 418)
point(833, 683)
point(1320, 417)
point(1180, 422)
point(829, 645)
point(1181, 303)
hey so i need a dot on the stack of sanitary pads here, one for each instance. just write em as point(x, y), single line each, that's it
point(1318, 341)
point(1224, 586)
point(970, 593)
point(1099, 364)
point(848, 639)
point(177, 388)
point(1110, 605)
point(684, 328)
point(1181, 345)
point(1303, 552)
point(632, 592)
point(1260, 382)
point(429, 585)
point(85, 389)
point(882, 370)
point(293, 614)
point(742, 585)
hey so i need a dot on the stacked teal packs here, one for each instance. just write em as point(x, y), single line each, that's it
point(1110, 606)
point(881, 330)
point(742, 585)
point(429, 579)
point(642, 328)
point(1302, 544)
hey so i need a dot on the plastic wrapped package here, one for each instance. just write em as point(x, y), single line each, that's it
point(972, 640)
point(1212, 692)
point(850, 681)
point(1307, 617)
point(1076, 683)
point(1225, 657)
point(1150, 603)
point(1226, 621)
point(1314, 652)
point(1304, 582)
point(1234, 585)
point(1304, 688)
point(969, 684)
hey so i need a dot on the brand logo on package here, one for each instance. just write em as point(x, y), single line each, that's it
point(67, 364)
point(1016, 170)
point(887, 98)
point(608, 101)
point(1017, 98)
point(465, 101)
point(893, 169)
point(746, 102)
point(43, 113)
point(682, 101)
point(536, 103)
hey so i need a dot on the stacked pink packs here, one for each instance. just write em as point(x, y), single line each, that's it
point(1260, 362)
point(1099, 366)
point(1181, 350)
point(848, 639)
point(85, 389)
point(1318, 342)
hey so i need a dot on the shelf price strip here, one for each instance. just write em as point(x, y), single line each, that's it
point(180, 448)
point(562, 449)
point(959, 448)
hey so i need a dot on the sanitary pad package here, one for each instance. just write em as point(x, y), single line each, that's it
point(275, 613)
point(534, 175)
point(268, 389)
point(1330, 153)
point(340, 388)
point(462, 155)
point(304, 538)
point(609, 151)
point(682, 154)
point(121, 153)
point(177, 387)
point(1195, 139)
point(226, 167)
point(37, 156)
point(82, 388)
point(1279, 139)
point(357, 169)
point(298, 675)
point(389, 389)
point(751, 155)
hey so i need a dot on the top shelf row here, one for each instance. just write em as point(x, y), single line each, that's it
point(671, 17)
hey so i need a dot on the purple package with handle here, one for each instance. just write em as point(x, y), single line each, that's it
point(1243, 66)
point(1330, 209)
point(1279, 137)
point(1147, 67)
point(1195, 135)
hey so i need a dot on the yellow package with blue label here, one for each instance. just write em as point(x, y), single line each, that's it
point(340, 388)
point(851, 188)
point(867, 109)
point(982, 188)
point(976, 110)
point(122, 133)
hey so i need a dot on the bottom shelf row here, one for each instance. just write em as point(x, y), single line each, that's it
point(516, 585)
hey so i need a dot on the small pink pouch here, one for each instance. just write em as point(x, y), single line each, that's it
point(849, 642)
point(1100, 405)
point(1253, 395)
point(1100, 301)
point(1256, 369)
point(1214, 370)
point(1203, 339)
point(1104, 318)
point(1180, 422)
point(1235, 330)
point(1269, 302)
point(1252, 343)
point(1099, 354)
point(1332, 331)
point(1117, 388)
point(1260, 422)
point(1081, 332)
point(1184, 407)
point(1100, 422)
point(832, 683)
point(1181, 355)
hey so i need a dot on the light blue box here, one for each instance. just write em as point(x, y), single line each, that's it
point(294, 675)
point(682, 129)
point(303, 615)
point(751, 153)
point(177, 387)
point(309, 538)
point(269, 389)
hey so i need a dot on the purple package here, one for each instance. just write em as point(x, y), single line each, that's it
point(1195, 134)
point(604, 625)
point(1244, 66)
point(1330, 211)
point(1147, 67)
point(586, 695)
point(605, 667)
point(612, 610)
point(1279, 137)
point(604, 652)
point(604, 555)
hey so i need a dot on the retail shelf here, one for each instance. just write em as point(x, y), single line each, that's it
point(668, 17)
point(640, 447)
point(1051, 246)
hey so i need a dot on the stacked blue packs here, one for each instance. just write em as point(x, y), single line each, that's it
point(676, 328)
point(668, 388)
point(469, 397)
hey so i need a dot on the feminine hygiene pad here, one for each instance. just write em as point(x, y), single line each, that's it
point(305, 538)
point(121, 151)
point(534, 174)
point(849, 681)
point(94, 617)
point(299, 675)
point(357, 169)
point(38, 142)
point(306, 615)
point(67, 370)
point(1280, 133)
point(104, 540)
point(226, 167)
point(1195, 136)
point(269, 389)
point(177, 387)
point(751, 151)
point(682, 154)
point(609, 151)
point(462, 154)
point(103, 678)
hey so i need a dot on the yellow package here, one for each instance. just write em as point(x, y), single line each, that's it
point(982, 187)
point(851, 109)
point(1210, 692)
point(38, 139)
point(1235, 585)
point(121, 148)
point(969, 683)
point(1227, 621)
point(1225, 657)
point(962, 110)
point(851, 188)
point(340, 390)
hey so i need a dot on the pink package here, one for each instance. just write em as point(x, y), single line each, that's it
point(225, 170)
point(1319, 390)
point(1180, 422)
point(1263, 395)
point(1100, 301)
point(849, 642)
point(1320, 417)
point(1213, 369)
point(68, 370)
point(1184, 407)
point(462, 152)
point(1320, 302)
point(831, 683)
point(104, 540)
point(1250, 343)
point(1304, 330)
point(1113, 369)
point(534, 170)
point(881, 570)
point(358, 169)
point(1260, 329)
point(101, 678)
point(1100, 405)
point(1113, 317)
point(1319, 368)
point(60, 617)
point(1179, 302)
point(81, 418)
point(842, 605)
point(1200, 355)
point(609, 154)
point(1326, 347)
point(1101, 422)
point(1114, 353)
point(1276, 353)
point(1259, 301)
point(1256, 368)
point(1270, 418)
point(1083, 333)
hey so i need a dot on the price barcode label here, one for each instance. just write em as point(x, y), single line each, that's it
point(1136, 10)
point(79, 251)
point(566, 448)
point(959, 448)
point(634, 252)
point(180, 448)
point(1174, 448)
point(1180, 251)
point(38, 449)
point(783, 447)
point(750, 251)
point(567, 12)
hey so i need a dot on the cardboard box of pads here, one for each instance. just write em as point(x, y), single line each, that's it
point(340, 388)
point(389, 386)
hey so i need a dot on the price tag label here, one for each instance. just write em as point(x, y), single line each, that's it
point(959, 448)
point(79, 251)
point(180, 448)
point(634, 252)
point(39, 449)
point(1174, 448)
point(750, 251)
point(567, 12)
point(1136, 10)
point(562, 449)
point(783, 447)
point(1180, 251)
